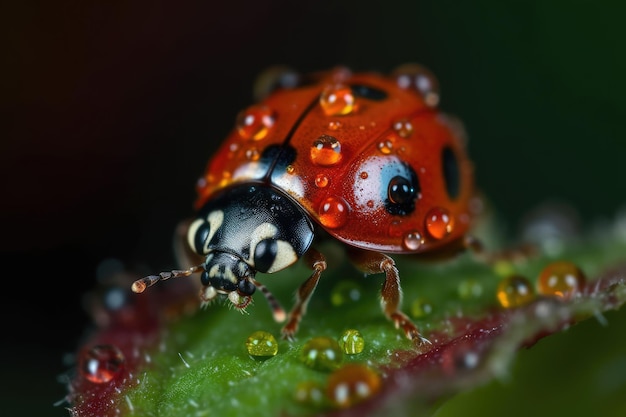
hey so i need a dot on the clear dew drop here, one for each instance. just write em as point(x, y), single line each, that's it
point(385, 147)
point(334, 125)
point(325, 151)
point(337, 100)
point(412, 240)
point(102, 363)
point(253, 154)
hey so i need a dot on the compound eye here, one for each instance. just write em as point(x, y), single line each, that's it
point(245, 287)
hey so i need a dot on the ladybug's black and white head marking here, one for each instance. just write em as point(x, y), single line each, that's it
point(243, 230)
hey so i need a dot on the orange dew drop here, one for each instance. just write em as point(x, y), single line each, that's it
point(351, 384)
point(290, 169)
point(101, 363)
point(515, 291)
point(385, 147)
point(439, 223)
point(421, 79)
point(370, 203)
point(321, 180)
point(337, 100)
point(403, 128)
point(333, 212)
point(562, 279)
point(334, 125)
point(412, 240)
point(325, 151)
point(364, 175)
point(253, 154)
point(255, 122)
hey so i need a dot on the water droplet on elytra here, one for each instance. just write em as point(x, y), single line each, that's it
point(325, 151)
point(403, 128)
point(333, 212)
point(412, 240)
point(438, 223)
point(321, 180)
point(337, 100)
point(255, 122)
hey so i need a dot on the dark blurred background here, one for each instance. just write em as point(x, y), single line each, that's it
point(110, 111)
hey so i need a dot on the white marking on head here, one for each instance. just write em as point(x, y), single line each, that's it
point(285, 256)
point(215, 220)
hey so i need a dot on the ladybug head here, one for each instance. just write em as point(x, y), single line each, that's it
point(227, 274)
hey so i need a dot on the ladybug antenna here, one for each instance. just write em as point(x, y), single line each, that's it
point(140, 285)
point(277, 311)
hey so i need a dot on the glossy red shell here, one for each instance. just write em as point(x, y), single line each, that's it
point(343, 195)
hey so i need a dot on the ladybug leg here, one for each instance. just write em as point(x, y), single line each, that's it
point(318, 263)
point(391, 293)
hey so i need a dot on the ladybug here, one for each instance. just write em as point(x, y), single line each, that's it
point(365, 159)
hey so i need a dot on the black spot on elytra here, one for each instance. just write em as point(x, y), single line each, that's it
point(278, 157)
point(368, 92)
point(451, 172)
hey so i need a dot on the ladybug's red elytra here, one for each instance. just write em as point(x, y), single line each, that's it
point(363, 158)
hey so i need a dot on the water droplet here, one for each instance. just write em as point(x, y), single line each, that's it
point(337, 100)
point(370, 203)
point(101, 363)
point(321, 353)
point(334, 125)
point(352, 384)
point(421, 79)
point(333, 212)
point(253, 154)
point(364, 175)
point(438, 223)
point(385, 147)
point(515, 291)
point(352, 342)
point(290, 169)
point(412, 240)
point(345, 292)
point(309, 392)
point(261, 344)
point(403, 128)
point(462, 356)
point(421, 307)
point(469, 288)
point(321, 180)
point(255, 122)
point(562, 279)
point(326, 151)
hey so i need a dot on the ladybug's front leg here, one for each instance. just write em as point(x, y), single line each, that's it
point(318, 263)
point(391, 293)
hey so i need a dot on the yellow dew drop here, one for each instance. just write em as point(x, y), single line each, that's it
point(325, 151)
point(310, 393)
point(322, 354)
point(337, 100)
point(351, 384)
point(255, 122)
point(421, 307)
point(469, 289)
point(261, 344)
point(515, 291)
point(352, 342)
point(345, 292)
point(561, 279)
